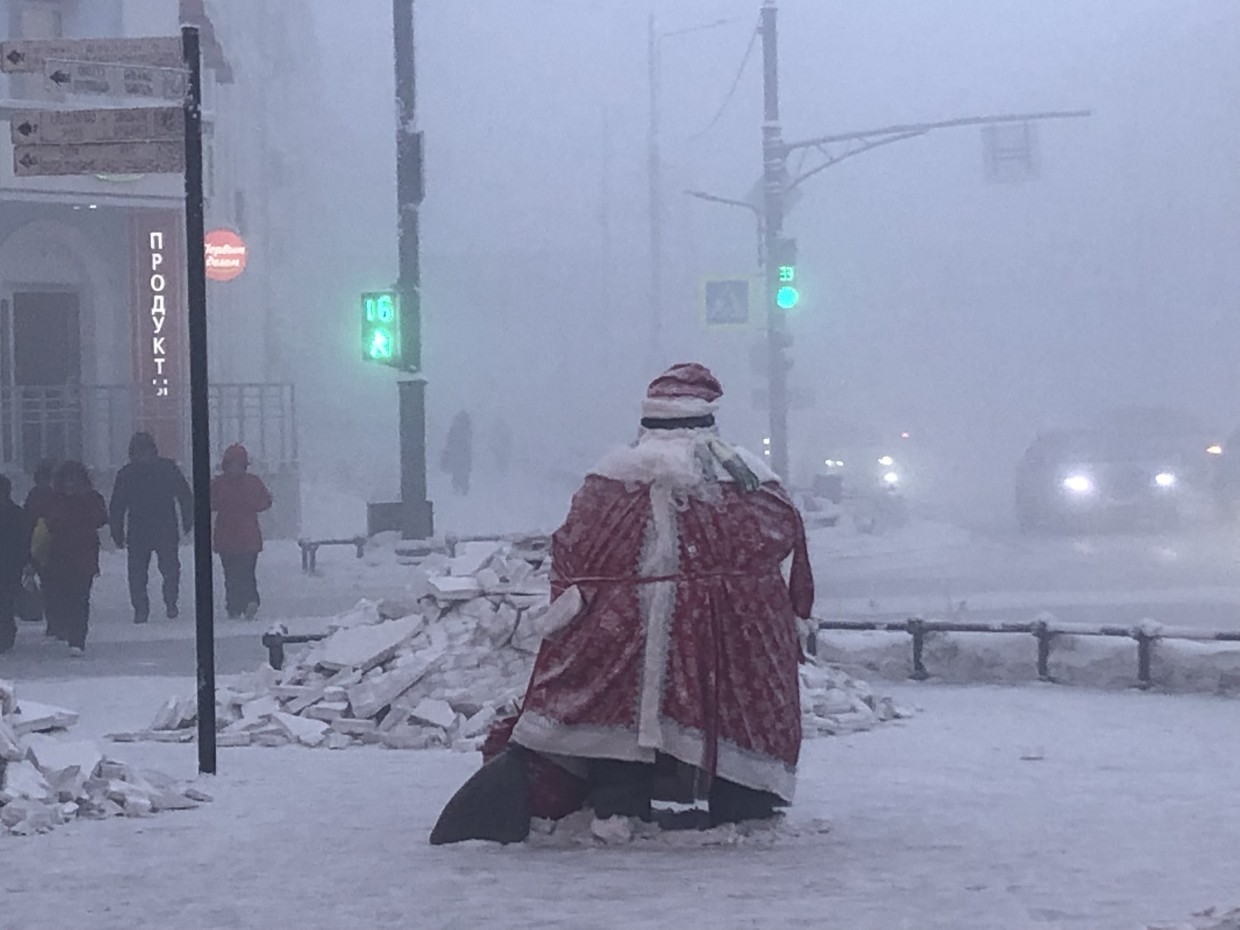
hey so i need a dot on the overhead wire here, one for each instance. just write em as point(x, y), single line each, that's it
point(736, 82)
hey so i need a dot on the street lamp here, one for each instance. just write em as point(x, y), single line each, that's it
point(655, 174)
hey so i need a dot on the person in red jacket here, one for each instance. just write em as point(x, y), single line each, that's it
point(74, 514)
point(238, 497)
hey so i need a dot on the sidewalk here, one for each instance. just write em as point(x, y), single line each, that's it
point(993, 809)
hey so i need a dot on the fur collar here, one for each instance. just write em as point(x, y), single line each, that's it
point(679, 458)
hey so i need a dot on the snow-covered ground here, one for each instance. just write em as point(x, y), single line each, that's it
point(993, 809)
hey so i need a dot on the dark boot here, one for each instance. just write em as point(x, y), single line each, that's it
point(732, 803)
point(493, 805)
point(620, 789)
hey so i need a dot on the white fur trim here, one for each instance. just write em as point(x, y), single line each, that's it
point(757, 465)
point(676, 408)
point(660, 556)
point(671, 457)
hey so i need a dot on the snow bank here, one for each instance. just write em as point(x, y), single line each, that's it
point(438, 667)
point(1093, 661)
point(46, 780)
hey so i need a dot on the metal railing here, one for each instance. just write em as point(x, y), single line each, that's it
point(93, 423)
point(1042, 630)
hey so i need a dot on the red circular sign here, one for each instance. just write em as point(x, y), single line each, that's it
point(225, 255)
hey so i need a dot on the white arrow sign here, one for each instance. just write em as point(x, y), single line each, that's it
point(109, 80)
point(126, 124)
point(30, 55)
point(99, 158)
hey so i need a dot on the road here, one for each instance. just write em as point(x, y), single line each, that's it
point(991, 571)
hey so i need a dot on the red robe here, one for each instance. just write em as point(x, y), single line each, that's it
point(688, 642)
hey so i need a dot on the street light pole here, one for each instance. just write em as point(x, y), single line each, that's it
point(774, 177)
point(654, 170)
point(417, 516)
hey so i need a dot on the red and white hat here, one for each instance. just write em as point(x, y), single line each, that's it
point(683, 391)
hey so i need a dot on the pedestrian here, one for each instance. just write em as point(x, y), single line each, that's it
point(458, 453)
point(238, 497)
point(14, 557)
point(148, 491)
point(37, 501)
point(75, 514)
point(673, 663)
point(40, 494)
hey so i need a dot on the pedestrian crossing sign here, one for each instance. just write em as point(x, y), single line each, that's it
point(727, 302)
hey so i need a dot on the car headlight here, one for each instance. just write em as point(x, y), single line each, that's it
point(1078, 484)
point(891, 478)
point(1165, 479)
point(886, 461)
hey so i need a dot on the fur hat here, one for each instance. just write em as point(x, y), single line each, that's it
point(683, 391)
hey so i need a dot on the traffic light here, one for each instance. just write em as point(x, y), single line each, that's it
point(787, 293)
point(381, 335)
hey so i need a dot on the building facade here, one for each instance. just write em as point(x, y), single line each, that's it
point(93, 321)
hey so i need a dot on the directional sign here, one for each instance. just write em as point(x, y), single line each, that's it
point(31, 55)
point(108, 80)
point(130, 124)
point(99, 158)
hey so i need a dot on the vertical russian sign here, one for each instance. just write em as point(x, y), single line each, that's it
point(160, 328)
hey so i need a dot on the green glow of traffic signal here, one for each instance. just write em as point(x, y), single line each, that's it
point(381, 338)
point(787, 297)
point(381, 345)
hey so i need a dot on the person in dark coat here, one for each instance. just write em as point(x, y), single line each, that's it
point(75, 514)
point(238, 497)
point(148, 491)
point(40, 494)
point(14, 556)
point(37, 500)
point(458, 454)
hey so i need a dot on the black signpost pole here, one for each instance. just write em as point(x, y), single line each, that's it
point(195, 249)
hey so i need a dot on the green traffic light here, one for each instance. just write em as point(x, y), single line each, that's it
point(787, 297)
point(381, 345)
point(381, 328)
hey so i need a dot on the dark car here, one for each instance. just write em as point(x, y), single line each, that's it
point(1101, 479)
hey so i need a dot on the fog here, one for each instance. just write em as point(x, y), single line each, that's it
point(974, 313)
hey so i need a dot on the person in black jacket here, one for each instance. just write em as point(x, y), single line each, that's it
point(14, 556)
point(148, 490)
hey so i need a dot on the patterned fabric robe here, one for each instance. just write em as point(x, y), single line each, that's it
point(688, 643)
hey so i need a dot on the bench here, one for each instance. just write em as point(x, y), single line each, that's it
point(278, 637)
point(310, 550)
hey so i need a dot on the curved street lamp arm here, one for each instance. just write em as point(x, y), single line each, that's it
point(916, 129)
point(727, 201)
point(836, 159)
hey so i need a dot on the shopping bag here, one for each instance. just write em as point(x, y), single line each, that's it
point(41, 543)
point(30, 600)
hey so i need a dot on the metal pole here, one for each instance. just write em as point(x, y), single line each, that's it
point(774, 156)
point(195, 250)
point(654, 172)
point(605, 244)
point(418, 516)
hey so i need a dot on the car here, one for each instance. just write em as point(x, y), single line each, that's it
point(1105, 479)
point(868, 481)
